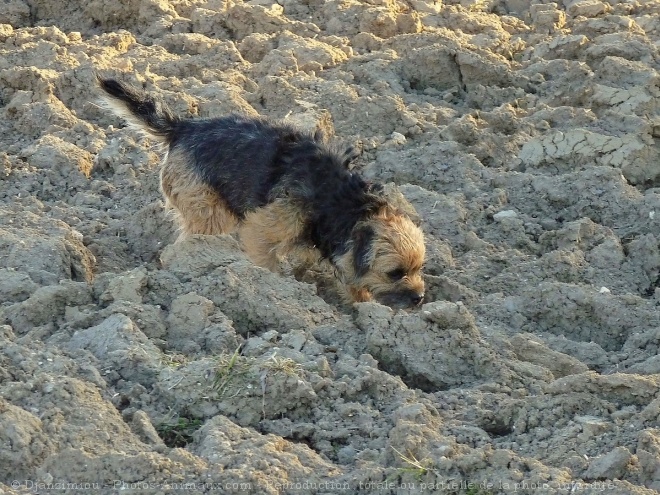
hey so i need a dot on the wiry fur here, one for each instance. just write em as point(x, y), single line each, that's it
point(139, 109)
point(289, 194)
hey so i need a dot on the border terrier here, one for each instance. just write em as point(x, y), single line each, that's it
point(288, 194)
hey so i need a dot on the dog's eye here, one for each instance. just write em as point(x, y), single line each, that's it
point(396, 274)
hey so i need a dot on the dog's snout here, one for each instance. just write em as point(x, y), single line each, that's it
point(400, 300)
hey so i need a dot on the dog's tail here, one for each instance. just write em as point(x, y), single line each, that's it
point(138, 108)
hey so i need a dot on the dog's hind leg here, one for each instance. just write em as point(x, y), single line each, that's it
point(198, 207)
point(272, 233)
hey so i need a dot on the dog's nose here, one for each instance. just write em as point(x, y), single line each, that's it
point(417, 299)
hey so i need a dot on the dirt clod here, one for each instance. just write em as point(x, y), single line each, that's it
point(525, 136)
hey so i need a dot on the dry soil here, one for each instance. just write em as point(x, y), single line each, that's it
point(526, 137)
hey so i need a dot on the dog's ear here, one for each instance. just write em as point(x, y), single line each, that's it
point(395, 203)
point(362, 240)
point(376, 201)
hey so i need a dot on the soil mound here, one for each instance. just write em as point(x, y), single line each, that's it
point(526, 138)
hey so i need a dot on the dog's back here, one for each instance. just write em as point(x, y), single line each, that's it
point(248, 161)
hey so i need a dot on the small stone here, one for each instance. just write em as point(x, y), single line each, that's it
point(142, 426)
point(501, 215)
point(609, 466)
point(397, 138)
point(127, 287)
point(429, 6)
point(586, 8)
point(295, 339)
point(270, 335)
point(346, 455)
point(592, 426)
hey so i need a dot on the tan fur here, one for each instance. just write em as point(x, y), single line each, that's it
point(198, 207)
point(353, 294)
point(398, 243)
point(269, 234)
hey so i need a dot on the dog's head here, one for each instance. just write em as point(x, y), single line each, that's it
point(385, 259)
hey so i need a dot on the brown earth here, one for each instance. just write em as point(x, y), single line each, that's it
point(525, 136)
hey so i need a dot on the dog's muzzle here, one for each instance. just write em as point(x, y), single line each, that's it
point(401, 300)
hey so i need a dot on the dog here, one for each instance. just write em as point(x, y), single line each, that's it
point(287, 193)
